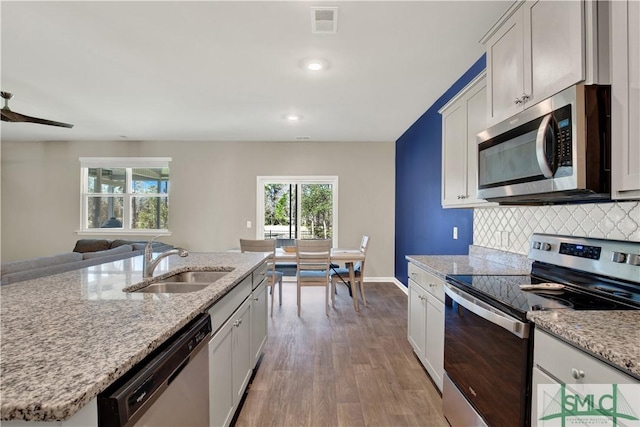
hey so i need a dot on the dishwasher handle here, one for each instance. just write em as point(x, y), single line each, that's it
point(484, 310)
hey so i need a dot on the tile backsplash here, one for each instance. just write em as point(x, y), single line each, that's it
point(509, 228)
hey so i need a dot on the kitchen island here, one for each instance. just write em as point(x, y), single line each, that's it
point(67, 337)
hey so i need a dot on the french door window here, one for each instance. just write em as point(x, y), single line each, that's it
point(297, 207)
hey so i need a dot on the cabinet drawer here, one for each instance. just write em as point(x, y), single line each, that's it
point(225, 307)
point(563, 361)
point(259, 275)
point(431, 283)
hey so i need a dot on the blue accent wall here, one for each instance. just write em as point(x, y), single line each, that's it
point(422, 226)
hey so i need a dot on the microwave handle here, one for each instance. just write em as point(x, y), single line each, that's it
point(540, 146)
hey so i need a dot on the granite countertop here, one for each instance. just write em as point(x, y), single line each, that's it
point(480, 261)
point(66, 337)
point(612, 336)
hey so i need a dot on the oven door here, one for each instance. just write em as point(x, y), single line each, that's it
point(487, 357)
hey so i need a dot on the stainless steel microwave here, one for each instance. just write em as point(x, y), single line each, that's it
point(557, 151)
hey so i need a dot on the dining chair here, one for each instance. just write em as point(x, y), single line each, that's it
point(342, 274)
point(274, 276)
point(313, 259)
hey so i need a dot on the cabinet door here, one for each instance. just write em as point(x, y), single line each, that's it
point(454, 154)
point(434, 346)
point(476, 123)
point(221, 405)
point(258, 321)
point(241, 365)
point(505, 83)
point(625, 87)
point(553, 47)
point(417, 319)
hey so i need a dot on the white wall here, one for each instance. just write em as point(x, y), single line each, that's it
point(212, 193)
point(618, 221)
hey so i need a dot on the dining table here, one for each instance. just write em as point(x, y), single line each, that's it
point(347, 256)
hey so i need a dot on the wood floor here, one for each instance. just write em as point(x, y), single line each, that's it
point(347, 369)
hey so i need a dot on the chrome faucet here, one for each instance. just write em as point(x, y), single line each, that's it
point(149, 263)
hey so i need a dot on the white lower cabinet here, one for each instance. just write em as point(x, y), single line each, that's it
point(561, 370)
point(229, 366)
point(239, 323)
point(426, 321)
point(258, 324)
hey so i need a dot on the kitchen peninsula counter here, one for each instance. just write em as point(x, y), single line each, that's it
point(67, 337)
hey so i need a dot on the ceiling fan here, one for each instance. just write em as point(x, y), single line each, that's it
point(10, 116)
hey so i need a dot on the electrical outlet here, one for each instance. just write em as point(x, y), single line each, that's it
point(248, 224)
point(504, 239)
point(455, 233)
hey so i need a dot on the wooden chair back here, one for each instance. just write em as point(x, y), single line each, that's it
point(313, 262)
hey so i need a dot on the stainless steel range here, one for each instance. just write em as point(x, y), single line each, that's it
point(488, 352)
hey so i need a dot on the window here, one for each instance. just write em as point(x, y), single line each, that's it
point(124, 193)
point(297, 208)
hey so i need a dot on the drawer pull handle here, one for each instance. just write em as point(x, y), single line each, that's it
point(577, 373)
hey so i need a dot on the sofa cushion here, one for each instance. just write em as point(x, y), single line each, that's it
point(119, 242)
point(30, 264)
point(99, 254)
point(36, 273)
point(91, 245)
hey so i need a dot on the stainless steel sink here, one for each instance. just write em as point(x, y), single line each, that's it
point(195, 277)
point(187, 281)
point(172, 288)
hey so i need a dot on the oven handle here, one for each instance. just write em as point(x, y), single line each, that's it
point(516, 327)
point(540, 146)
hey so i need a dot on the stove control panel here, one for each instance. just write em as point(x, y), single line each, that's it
point(618, 259)
point(583, 251)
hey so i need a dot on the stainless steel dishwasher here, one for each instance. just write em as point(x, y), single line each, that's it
point(169, 388)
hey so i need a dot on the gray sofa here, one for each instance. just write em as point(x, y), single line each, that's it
point(87, 252)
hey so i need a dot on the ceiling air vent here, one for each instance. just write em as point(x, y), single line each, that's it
point(324, 20)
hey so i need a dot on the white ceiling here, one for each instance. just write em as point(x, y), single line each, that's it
point(230, 71)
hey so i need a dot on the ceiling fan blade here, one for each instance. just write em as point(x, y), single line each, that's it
point(11, 116)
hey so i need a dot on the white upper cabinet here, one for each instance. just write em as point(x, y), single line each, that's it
point(462, 119)
point(625, 103)
point(536, 50)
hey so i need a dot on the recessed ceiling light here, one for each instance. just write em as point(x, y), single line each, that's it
point(315, 64)
point(293, 117)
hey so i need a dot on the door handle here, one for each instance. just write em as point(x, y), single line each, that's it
point(516, 327)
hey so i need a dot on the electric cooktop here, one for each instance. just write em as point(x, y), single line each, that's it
point(577, 274)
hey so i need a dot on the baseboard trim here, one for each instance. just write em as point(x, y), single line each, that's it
point(393, 280)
